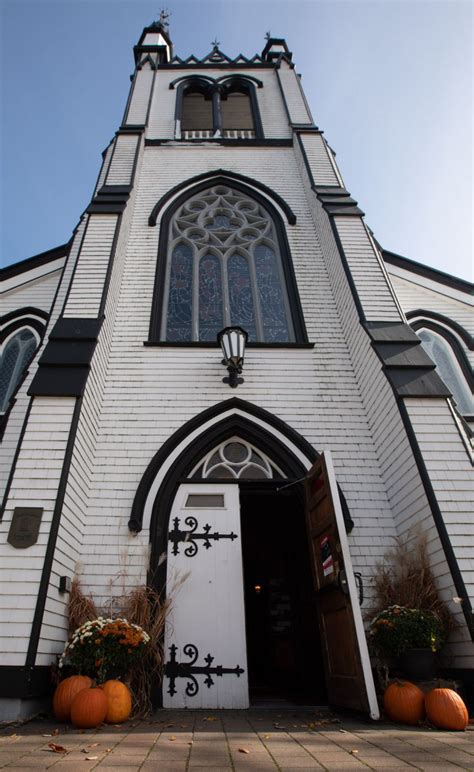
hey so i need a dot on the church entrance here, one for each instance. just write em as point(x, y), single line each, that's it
point(254, 556)
point(284, 655)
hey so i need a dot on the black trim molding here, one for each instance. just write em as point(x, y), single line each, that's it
point(64, 365)
point(25, 683)
point(219, 177)
point(34, 262)
point(51, 545)
point(429, 273)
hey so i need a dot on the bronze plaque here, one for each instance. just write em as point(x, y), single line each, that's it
point(24, 527)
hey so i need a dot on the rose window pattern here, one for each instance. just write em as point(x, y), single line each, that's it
point(224, 268)
point(236, 459)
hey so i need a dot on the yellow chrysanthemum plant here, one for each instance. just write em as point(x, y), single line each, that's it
point(104, 648)
point(398, 628)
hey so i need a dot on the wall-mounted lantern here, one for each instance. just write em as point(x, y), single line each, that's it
point(233, 340)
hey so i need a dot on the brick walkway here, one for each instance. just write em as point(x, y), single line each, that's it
point(236, 740)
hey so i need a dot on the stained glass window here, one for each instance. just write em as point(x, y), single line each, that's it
point(224, 267)
point(15, 357)
point(211, 317)
point(180, 294)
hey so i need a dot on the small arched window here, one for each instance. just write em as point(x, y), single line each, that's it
point(441, 353)
point(17, 352)
point(224, 266)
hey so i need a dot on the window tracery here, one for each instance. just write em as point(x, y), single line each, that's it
point(236, 459)
point(224, 267)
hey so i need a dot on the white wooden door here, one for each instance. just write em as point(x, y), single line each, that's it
point(205, 644)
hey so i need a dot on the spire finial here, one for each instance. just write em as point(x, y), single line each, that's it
point(215, 42)
point(164, 17)
point(268, 35)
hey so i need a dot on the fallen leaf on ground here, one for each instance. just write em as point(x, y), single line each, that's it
point(172, 738)
point(266, 736)
point(47, 735)
point(243, 750)
point(190, 743)
point(57, 748)
point(210, 718)
point(354, 750)
point(91, 758)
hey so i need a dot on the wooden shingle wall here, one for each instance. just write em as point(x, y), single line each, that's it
point(141, 93)
point(271, 106)
point(37, 292)
point(402, 482)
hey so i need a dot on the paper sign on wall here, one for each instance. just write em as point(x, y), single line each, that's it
point(326, 556)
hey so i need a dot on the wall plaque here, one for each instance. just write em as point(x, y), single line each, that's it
point(24, 526)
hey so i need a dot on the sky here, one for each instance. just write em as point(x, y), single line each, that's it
point(389, 82)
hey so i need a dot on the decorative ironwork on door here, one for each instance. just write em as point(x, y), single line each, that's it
point(189, 670)
point(190, 537)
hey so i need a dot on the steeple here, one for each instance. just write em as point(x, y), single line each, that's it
point(155, 39)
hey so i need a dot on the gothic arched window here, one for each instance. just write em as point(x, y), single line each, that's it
point(208, 108)
point(442, 355)
point(17, 353)
point(224, 267)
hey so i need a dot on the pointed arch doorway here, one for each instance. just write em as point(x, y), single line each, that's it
point(226, 501)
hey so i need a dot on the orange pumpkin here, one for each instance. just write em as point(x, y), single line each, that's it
point(446, 710)
point(119, 701)
point(404, 702)
point(89, 708)
point(65, 693)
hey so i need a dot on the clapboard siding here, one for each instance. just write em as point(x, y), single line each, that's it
point(123, 158)
point(78, 514)
point(148, 393)
point(369, 277)
point(38, 293)
point(16, 417)
point(293, 96)
point(35, 483)
point(87, 288)
point(138, 108)
point(318, 159)
point(23, 589)
point(105, 166)
point(270, 102)
point(402, 483)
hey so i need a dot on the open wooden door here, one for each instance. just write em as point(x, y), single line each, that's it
point(349, 676)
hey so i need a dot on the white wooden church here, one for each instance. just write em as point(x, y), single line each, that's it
point(224, 386)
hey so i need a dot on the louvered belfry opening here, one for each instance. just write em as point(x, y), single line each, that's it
point(236, 111)
point(197, 113)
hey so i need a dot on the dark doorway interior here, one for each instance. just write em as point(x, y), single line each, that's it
point(283, 646)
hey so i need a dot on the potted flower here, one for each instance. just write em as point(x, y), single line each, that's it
point(412, 635)
point(104, 648)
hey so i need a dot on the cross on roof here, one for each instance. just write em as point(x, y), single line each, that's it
point(215, 43)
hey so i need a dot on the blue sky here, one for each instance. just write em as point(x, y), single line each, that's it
point(389, 82)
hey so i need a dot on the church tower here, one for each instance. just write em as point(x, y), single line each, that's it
point(271, 492)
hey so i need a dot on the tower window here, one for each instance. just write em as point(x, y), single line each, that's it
point(208, 109)
point(225, 265)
